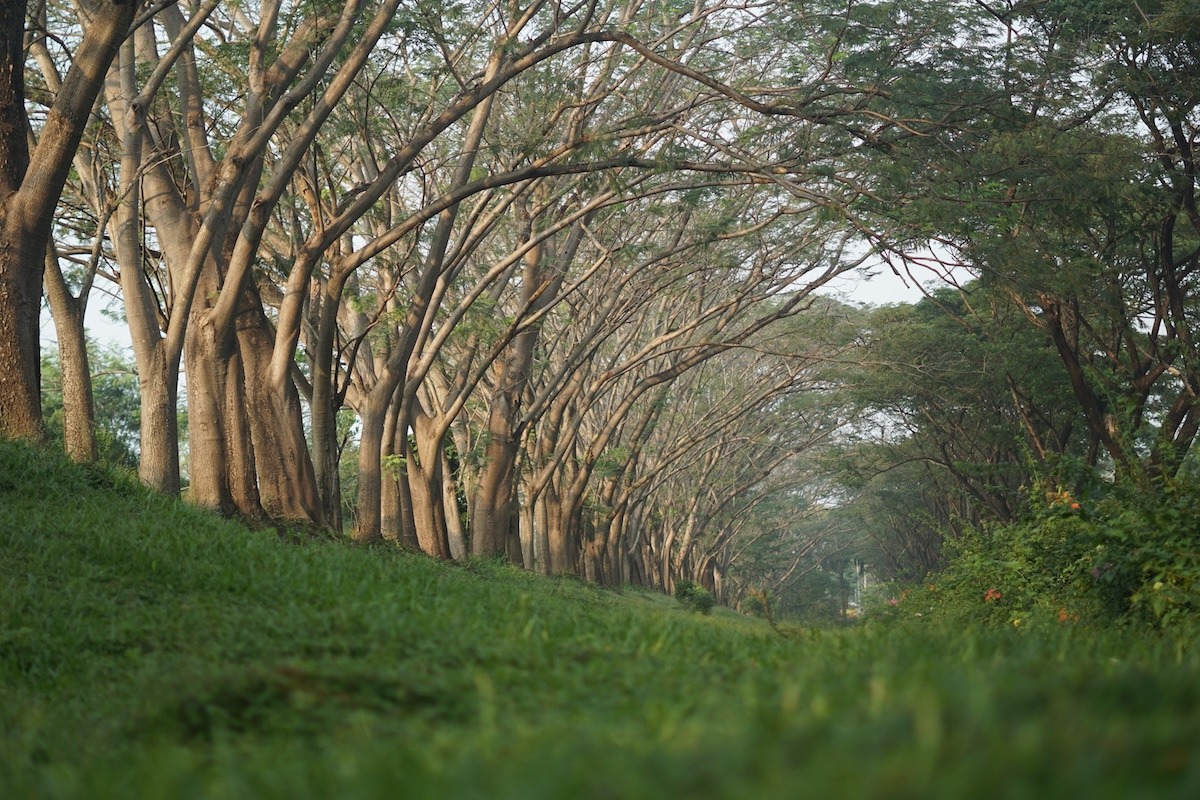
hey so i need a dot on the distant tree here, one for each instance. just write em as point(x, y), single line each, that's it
point(115, 395)
point(964, 407)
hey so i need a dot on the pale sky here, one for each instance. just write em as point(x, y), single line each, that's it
point(881, 288)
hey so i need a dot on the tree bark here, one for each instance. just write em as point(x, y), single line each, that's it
point(79, 414)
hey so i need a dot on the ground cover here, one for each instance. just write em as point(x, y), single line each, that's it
point(148, 649)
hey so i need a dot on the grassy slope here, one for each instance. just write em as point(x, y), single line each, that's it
point(150, 650)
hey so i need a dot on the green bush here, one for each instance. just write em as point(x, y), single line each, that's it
point(1151, 545)
point(1113, 555)
point(694, 597)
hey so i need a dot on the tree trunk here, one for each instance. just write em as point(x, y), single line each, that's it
point(158, 461)
point(79, 414)
point(455, 535)
point(425, 481)
point(283, 469)
point(206, 380)
point(20, 347)
point(373, 415)
point(494, 489)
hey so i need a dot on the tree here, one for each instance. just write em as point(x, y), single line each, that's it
point(114, 398)
point(31, 181)
point(964, 408)
point(1067, 181)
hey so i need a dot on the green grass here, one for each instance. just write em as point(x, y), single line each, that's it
point(150, 650)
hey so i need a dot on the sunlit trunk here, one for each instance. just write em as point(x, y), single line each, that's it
point(492, 508)
point(455, 535)
point(79, 416)
point(425, 481)
point(373, 414)
point(208, 468)
point(282, 467)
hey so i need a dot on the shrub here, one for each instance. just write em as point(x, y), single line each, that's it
point(1151, 542)
point(695, 597)
point(1119, 555)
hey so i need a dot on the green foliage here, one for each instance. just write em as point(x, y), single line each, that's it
point(956, 387)
point(1150, 544)
point(1101, 556)
point(694, 597)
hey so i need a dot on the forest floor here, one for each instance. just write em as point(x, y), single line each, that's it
point(150, 650)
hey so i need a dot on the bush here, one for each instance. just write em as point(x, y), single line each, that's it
point(1120, 555)
point(1151, 543)
point(695, 597)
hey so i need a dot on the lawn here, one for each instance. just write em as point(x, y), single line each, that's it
point(148, 649)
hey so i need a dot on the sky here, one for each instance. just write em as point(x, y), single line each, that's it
point(879, 286)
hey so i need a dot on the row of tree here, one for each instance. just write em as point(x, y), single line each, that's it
point(548, 272)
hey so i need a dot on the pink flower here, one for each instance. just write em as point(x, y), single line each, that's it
point(991, 594)
point(893, 601)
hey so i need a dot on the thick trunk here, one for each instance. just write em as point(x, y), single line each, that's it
point(562, 536)
point(282, 466)
point(158, 461)
point(21, 260)
point(373, 416)
point(592, 558)
point(613, 547)
point(208, 467)
point(425, 487)
point(241, 459)
point(324, 402)
point(222, 459)
point(20, 348)
point(492, 508)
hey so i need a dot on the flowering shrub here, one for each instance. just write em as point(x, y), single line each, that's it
point(1118, 555)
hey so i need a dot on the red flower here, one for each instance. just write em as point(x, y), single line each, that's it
point(991, 594)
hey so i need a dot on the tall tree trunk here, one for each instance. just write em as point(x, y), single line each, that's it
point(492, 513)
point(373, 415)
point(158, 460)
point(393, 507)
point(20, 348)
point(283, 469)
point(492, 508)
point(425, 481)
point(206, 384)
point(79, 414)
point(455, 535)
point(158, 372)
point(324, 400)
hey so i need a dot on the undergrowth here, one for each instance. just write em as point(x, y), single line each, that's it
point(151, 650)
